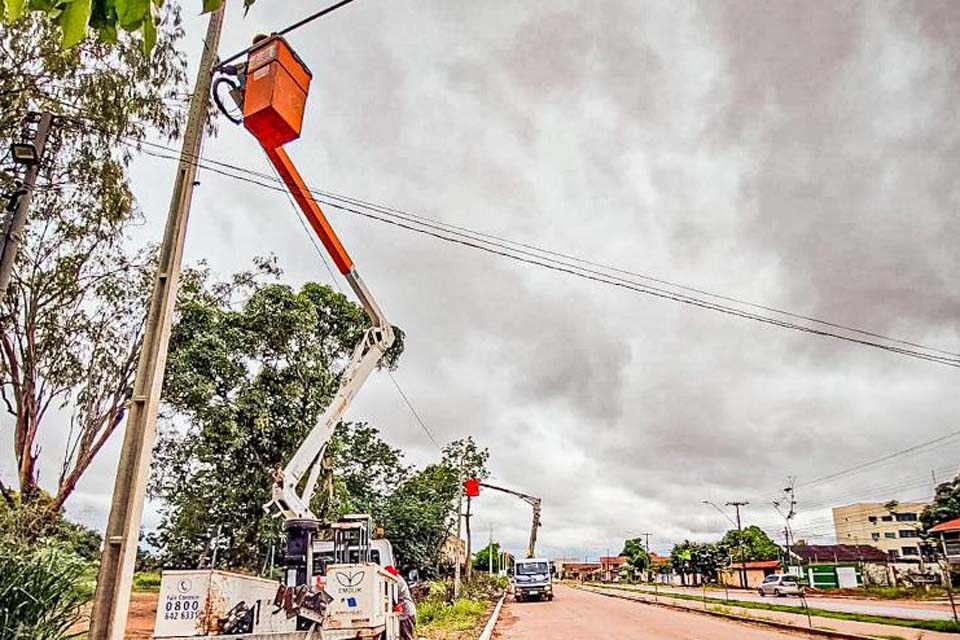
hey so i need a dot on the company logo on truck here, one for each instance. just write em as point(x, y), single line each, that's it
point(349, 579)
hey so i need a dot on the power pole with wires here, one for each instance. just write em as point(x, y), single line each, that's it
point(743, 560)
point(789, 500)
point(29, 154)
point(109, 616)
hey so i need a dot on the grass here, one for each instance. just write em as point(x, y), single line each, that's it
point(147, 581)
point(462, 615)
point(946, 626)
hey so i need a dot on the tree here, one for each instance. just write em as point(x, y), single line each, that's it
point(750, 544)
point(73, 313)
point(249, 383)
point(105, 17)
point(422, 512)
point(483, 557)
point(945, 505)
point(418, 515)
point(636, 554)
point(701, 558)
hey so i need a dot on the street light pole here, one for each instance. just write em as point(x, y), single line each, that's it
point(743, 560)
point(16, 221)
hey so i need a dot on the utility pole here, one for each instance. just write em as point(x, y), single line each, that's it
point(469, 544)
point(16, 220)
point(490, 553)
point(743, 560)
point(456, 562)
point(112, 600)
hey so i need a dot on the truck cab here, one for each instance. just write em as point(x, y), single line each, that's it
point(531, 580)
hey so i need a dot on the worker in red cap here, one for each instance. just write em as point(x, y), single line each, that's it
point(408, 613)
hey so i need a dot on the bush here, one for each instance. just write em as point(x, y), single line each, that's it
point(41, 592)
point(146, 581)
point(462, 615)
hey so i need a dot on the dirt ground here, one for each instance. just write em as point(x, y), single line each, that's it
point(143, 613)
point(576, 614)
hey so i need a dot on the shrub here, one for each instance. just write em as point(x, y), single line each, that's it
point(146, 581)
point(41, 592)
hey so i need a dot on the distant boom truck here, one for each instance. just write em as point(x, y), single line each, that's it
point(334, 584)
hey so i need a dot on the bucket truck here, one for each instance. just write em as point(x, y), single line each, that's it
point(334, 583)
point(531, 576)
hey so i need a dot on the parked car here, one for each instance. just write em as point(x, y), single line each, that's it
point(780, 584)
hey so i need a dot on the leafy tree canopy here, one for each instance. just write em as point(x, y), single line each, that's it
point(750, 544)
point(482, 558)
point(73, 312)
point(703, 558)
point(636, 554)
point(106, 18)
point(945, 505)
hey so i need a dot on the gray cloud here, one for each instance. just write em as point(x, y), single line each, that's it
point(802, 155)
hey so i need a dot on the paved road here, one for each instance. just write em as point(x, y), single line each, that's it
point(915, 610)
point(578, 615)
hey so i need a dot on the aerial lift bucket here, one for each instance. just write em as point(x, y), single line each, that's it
point(277, 83)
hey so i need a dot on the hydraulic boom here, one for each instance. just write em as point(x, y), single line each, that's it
point(534, 502)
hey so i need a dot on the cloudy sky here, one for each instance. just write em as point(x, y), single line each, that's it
point(800, 155)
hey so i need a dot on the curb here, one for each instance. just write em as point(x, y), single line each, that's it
point(492, 622)
point(825, 633)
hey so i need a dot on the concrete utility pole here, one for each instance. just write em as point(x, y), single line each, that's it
point(456, 562)
point(109, 616)
point(490, 553)
point(16, 220)
point(469, 544)
point(743, 561)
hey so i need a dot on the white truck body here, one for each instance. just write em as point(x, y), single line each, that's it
point(531, 579)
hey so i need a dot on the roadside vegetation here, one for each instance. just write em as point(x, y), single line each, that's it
point(441, 617)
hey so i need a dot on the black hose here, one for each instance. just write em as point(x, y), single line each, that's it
point(215, 90)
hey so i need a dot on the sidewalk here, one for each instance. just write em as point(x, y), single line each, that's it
point(796, 620)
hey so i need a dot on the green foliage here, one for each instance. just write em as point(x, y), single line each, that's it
point(146, 581)
point(483, 557)
point(462, 615)
point(636, 554)
point(251, 382)
point(102, 16)
point(945, 505)
point(701, 558)
point(750, 544)
point(41, 592)
point(25, 525)
point(74, 308)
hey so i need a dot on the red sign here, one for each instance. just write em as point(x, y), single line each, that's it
point(472, 487)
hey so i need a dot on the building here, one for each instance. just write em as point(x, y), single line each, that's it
point(610, 567)
point(894, 531)
point(558, 564)
point(840, 566)
point(756, 571)
point(581, 571)
point(949, 534)
point(454, 549)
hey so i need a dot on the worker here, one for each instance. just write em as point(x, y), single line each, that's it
point(408, 613)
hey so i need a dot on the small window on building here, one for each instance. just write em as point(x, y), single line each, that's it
point(906, 517)
point(890, 534)
point(909, 533)
point(875, 536)
point(910, 551)
point(887, 518)
point(872, 519)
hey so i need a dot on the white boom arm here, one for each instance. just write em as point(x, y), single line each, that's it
point(376, 340)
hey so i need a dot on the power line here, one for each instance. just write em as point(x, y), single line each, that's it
point(480, 235)
point(416, 415)
point(294, 26)
point(870, 463)
point(605, 278)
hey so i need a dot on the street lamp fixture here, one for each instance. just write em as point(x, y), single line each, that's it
point(25, 153)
